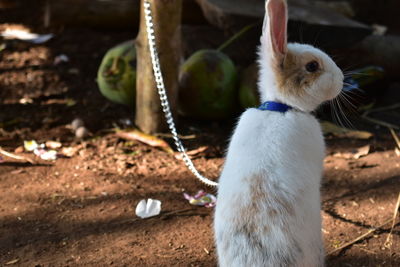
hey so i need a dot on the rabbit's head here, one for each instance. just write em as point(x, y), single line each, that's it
point(299, 75)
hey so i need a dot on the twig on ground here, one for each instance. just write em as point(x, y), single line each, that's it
point(183, 137)
point(179, 213)
point(348, 244)
point(162, 215)
point(366, 250)
point(388, 242)
point(396, 138)
point(381, 123)
point(395, 106)
point(10, 155)
point(175, 212)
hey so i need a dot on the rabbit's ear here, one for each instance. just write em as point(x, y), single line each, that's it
point(274, 36)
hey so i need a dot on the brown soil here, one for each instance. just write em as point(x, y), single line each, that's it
point(80, 211)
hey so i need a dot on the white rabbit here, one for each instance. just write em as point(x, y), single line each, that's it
point(268, 208)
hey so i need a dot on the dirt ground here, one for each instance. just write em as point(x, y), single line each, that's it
point(80, 211)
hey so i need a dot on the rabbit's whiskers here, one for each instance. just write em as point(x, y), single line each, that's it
point(344, 102)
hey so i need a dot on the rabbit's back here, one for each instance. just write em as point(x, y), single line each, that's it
point(268, 211)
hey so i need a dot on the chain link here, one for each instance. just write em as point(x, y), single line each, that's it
point(164, 98)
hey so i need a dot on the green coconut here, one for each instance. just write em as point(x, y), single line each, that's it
point(248, 91)
point(207, 86)
point(116, 76)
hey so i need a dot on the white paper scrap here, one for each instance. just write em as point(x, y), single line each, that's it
point(148, 209)
point(26, 36)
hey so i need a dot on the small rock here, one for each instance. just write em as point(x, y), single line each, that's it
point(81, 132)
point(75, 124)
point(60, 59)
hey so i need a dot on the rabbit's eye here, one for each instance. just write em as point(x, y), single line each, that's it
point(312, 66)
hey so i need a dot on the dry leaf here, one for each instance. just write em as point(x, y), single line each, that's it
point(333, 129)
point(347, 155)
point(362, 151)
point(355, 154)
point(191, 153)
point(10, 155)
point(135, 135)
point(12, 262)
point(24, 35)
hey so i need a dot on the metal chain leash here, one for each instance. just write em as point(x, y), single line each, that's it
point(163, 95)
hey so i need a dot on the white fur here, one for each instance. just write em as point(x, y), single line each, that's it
point(286, 150)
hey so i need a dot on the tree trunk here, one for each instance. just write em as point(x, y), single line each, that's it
point(166, 20)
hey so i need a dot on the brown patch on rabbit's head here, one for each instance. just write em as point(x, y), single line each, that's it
point(297, 73)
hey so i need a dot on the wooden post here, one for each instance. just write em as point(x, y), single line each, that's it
point(166, 18)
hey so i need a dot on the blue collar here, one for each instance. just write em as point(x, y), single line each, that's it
point(274, 106)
